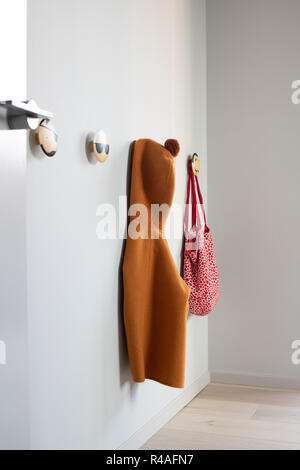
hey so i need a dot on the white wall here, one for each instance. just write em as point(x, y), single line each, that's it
point(14, 403)
point(137, 69)
point(253, 184)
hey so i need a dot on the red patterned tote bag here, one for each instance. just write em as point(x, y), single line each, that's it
point(200, 267)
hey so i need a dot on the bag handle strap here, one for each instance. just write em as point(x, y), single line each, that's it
point(201, 203)
point(195, 213)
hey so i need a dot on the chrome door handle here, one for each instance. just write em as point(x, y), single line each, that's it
point(24, 114)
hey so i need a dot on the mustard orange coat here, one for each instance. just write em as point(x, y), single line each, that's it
point(155, 296)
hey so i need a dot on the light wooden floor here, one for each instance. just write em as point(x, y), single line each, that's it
point(234, 417)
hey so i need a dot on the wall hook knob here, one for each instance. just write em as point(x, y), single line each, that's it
point(99, 146)
point(196, 164)
point(47, 137)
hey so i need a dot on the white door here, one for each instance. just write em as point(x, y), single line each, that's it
point(14, 402)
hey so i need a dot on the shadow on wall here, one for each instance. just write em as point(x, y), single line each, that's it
point(112, 401)
point(125, 372)
point(183, 237)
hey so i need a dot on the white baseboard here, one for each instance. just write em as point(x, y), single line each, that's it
point(254, 380)
point(151, 427)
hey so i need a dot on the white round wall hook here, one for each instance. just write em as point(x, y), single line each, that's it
point(99, 146)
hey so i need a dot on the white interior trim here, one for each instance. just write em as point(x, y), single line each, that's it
point(256, 380)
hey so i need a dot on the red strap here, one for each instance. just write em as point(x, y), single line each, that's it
point(194, 201)
point(188, 190)
point(195, 214)
point(201, 202)
point(186, 212)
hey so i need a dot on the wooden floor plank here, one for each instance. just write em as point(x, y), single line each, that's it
point(246, 428)
point(172, 440)
point(234, 417)
point(240, 393)
point(241, 409)
point(277, 413)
